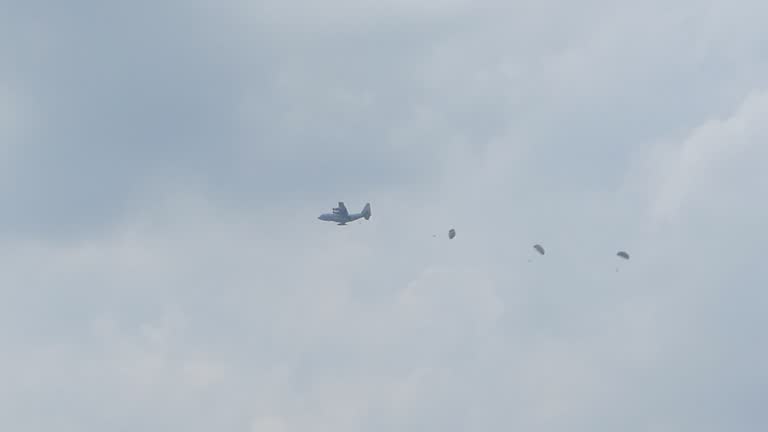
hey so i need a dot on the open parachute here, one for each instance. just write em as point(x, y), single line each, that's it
point(451, 233)
point(539, 249)
point(622, 254)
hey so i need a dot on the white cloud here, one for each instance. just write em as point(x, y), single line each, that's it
point(708, 162)
point(163, 267)
point(9, 125)
point(269, 424)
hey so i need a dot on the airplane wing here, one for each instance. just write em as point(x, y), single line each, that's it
point(341, 210)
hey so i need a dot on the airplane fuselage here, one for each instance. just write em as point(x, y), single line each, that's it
point(340, 219)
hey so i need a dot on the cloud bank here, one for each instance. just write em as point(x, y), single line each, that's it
point(163, 164)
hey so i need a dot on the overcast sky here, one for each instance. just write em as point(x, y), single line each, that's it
point(163, 162)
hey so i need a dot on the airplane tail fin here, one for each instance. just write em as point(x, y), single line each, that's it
point(367, 211)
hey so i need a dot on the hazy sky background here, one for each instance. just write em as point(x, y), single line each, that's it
point(163, 163)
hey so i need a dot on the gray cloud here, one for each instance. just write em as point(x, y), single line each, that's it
point(164, 163)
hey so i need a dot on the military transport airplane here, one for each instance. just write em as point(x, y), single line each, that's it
point(341, 216)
